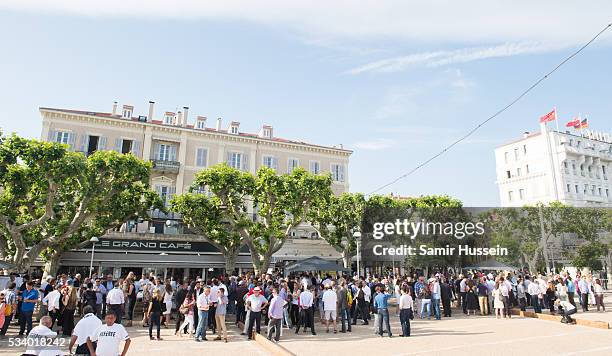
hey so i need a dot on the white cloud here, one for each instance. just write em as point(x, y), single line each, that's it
point(443, 58)
point(375, 144)
point(418, 22)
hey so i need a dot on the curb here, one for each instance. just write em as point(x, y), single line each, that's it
point(272, 347)
point(590, 323)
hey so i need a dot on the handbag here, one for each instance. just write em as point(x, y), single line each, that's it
point(410, 314)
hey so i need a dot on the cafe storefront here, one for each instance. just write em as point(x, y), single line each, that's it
point(167, 256)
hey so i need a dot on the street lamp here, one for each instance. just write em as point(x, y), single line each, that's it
point(93, 241)
point(357, 236)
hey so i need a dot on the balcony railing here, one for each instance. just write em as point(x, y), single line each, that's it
point(165, 166)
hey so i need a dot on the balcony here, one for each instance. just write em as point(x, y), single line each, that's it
point(164, 166)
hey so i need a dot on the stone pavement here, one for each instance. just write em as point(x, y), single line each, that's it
point(183, 346)
point(460, 335)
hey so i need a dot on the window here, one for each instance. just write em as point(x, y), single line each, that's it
point(337, 172)
point(267, 133)
point(571, 141)
point(521, 194)
point(565, 164)
point(599, 191)
point(518, 171)
point(201, 157)
point(569, 188)
point(62, 137)
point(126, 146)
point(603, 169)
point(526, 169)
point(510, 195)
point(524, 149)
point(315, 167)
point(516, 154)
point(586, 187)
point(92, 145)
point(506, 157)
point(168, 119)
point(165, 192)
point(166, 152)
point(234, 130)
point(578, 144)
point(201, 124)
point(508, 174)
point(237, 160)
point(270, 162)
point(608, 193)
point(292, 164)
point(592, 190)
point(576, 186)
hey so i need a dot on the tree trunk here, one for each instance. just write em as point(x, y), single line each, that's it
point(52, 264)
point(261, 263)
point(230, 261)
point(346, 258)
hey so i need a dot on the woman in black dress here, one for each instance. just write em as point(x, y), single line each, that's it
point(471, 297)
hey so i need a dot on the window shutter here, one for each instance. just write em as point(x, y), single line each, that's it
point(101, 143)
point(156, 152)
point(341, 173)
point(245, 162)
point(118, 144)
point(84, 143)
point(201, 154)
point(229, 159)
point(52, 137)
point(171, 193)
point(136, 147)
point(275, 163)
point(173, 153)
point(72, 140)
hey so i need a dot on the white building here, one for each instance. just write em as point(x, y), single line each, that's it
point(551, 166)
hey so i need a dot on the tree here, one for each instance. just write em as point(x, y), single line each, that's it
point(205, 215)
point(278, 202)
point(589, 255)
point(49, 195)
point(336, 221)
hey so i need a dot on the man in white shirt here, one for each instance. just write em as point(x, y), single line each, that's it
point(52, 300)
point(406, 305)
point(534, 290)
point(330, 299)
point(108, 337)
point(83, 329)
point(255, 302)
point(306, 311)
point(42, 335)
point(203, 303)
point(116, 300)
point(568, 309)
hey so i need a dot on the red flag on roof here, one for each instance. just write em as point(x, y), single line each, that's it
point(573, 123)
point(551, 116)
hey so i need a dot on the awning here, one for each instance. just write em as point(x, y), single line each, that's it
point(7, 265)
point(314, 264)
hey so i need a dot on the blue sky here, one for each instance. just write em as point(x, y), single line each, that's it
point(393, 81)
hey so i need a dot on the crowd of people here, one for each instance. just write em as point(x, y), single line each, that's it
point(197, 306)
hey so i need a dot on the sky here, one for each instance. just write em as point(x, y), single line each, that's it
point(395, 81)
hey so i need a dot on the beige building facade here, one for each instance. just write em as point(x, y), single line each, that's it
point(179, 146)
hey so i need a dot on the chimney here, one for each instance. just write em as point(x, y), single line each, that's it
point(151, 105)
point(266, 131)
point(185, 113)
point(179, 119)
point(114, 108)
point(218, 124)
point(525, 134)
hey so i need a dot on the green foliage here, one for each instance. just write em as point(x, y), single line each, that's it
point(51, 198)
point(589, 255)
point(279, 203)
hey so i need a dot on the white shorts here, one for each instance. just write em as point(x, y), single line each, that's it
point(330, 315)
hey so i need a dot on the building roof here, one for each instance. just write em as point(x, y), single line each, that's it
point(191, 127)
